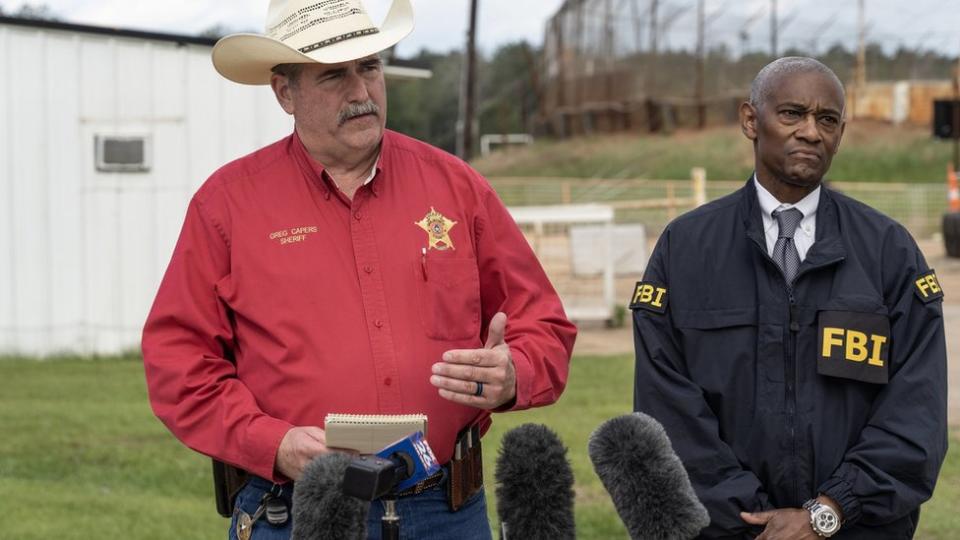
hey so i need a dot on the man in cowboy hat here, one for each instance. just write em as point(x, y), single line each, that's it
point(345, 269)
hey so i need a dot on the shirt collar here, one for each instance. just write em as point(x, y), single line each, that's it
point(321, 171)
point(768, 203)
point(376, 167)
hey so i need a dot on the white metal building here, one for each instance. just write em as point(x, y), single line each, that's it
point(104, 136)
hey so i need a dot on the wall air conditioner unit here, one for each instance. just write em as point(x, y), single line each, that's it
point(123, 153)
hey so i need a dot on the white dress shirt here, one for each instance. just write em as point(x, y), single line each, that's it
point(806, 231)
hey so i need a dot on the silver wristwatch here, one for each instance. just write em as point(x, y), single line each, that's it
point(824, 521)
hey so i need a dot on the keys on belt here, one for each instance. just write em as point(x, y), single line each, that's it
point(272, 506)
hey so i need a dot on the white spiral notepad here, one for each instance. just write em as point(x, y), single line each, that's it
point(370, 433)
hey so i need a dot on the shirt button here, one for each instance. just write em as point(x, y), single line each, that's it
point(378, 323)
point(368, 269)
point(388, 381)
point(357, 215)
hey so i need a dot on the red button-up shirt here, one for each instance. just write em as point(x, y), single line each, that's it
point(285, 301)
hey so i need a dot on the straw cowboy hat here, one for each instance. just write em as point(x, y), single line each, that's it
point(309, 31)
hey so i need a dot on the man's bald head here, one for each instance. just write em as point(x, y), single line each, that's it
point(773, 74)
point(795, 120)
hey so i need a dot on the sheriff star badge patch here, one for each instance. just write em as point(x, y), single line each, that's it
point(438, 229)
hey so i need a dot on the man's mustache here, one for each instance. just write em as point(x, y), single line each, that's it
point(354, 110)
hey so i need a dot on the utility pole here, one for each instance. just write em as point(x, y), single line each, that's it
point(701, 52)
point(774, 25)
point(580, 71)
point(652, 68)
point(956, 116)
point(637, 25)
point(468, 90)
point(609, 52)
point(558, 30)
point(860, 71)
point(653, 110)
point(653, 26)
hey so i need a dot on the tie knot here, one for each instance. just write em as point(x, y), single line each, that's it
point(788, 220)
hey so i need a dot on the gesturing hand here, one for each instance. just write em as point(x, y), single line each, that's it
point(490, 370)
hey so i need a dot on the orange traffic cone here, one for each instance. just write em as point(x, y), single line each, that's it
point(953, 191)
point(951, 220)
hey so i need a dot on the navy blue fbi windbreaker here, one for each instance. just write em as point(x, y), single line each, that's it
point(772, 395)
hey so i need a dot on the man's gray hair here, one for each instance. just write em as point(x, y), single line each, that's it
point(771, 74)
point(290, 71)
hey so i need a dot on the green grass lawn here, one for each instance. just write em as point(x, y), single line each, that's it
point(82, 456)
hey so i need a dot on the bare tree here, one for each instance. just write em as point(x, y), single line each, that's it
point(215, 31)
point(744, 32)
point(39, 12)
point(813, 44)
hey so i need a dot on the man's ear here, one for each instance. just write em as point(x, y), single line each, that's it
point(843, 128)
point(283, 91)
point(748, 120)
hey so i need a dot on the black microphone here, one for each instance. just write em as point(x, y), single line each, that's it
point(534, 486)
point(634, 459)
point(397, 467)
point(321, 510)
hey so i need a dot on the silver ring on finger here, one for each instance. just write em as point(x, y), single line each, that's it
point(479, 391)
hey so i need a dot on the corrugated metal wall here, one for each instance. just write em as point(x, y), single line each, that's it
point(83, 251)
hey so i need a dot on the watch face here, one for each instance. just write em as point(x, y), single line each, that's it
point(825, 521)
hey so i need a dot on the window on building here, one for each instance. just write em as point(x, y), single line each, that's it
point(123, 153)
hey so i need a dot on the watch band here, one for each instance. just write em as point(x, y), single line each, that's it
point(823, 520)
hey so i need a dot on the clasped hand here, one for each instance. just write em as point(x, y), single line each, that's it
point(782, 524)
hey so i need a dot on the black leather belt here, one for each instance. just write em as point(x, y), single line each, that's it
point(425, 484)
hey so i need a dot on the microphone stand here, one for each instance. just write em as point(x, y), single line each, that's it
point(390, 522)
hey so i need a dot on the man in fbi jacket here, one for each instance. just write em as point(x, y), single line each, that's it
point(790, 339)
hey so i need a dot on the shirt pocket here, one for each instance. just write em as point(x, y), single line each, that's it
point(719, 345)
point(449, 295)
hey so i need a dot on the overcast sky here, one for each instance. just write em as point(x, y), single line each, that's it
point(915, 24)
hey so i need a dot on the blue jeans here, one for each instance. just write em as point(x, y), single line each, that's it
point(423, 517)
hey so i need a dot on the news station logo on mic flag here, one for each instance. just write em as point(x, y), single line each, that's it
point(425, 463)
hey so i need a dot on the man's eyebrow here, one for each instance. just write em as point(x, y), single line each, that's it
point(334, 71)
point(802, 107)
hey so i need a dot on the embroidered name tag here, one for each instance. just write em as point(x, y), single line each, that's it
point(293, 236)
point(651, 296)
point(927, 287)
point(854, 346)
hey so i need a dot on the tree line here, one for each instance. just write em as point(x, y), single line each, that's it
point(512, 81)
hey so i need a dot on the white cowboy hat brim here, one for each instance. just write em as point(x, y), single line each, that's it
point(249, 58)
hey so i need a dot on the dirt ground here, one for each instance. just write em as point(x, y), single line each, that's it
point(597, 340)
